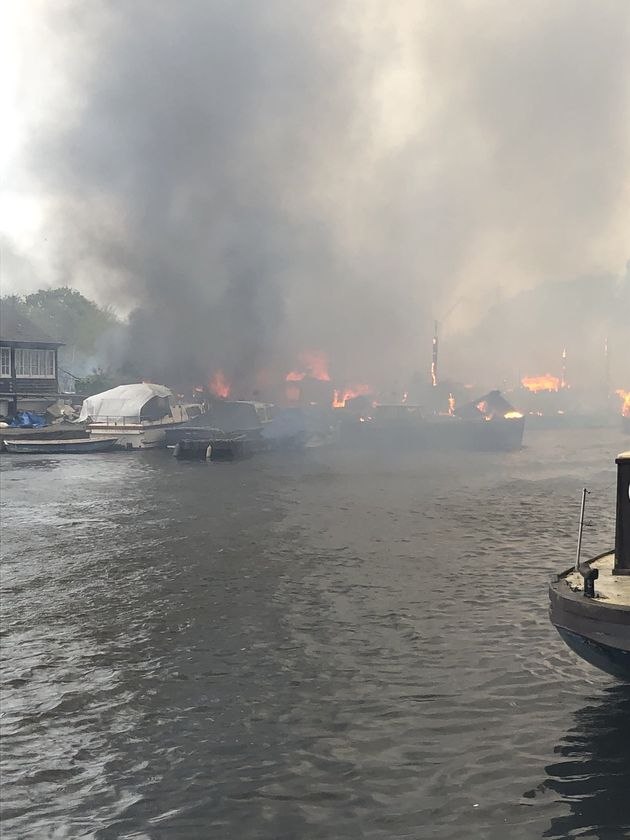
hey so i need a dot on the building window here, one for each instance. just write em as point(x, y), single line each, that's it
point(35, 364)
point(5, 361)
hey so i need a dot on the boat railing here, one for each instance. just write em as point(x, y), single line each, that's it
point(124, 421)
point(588, 572)
point(115, 421)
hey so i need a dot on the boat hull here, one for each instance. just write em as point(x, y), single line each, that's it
point(190, 432)
point(611, 660)
point(57, 431)
point(60, 447)
point(596, 629)
point(445, 434)
point(137, 436)
point(212, 449)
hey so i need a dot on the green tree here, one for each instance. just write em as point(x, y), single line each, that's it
point(96, 382)
point(67, 316)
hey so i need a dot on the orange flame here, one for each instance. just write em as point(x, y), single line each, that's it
point(340, 397)
point(483, 407)
point(314, 365)
point(512, 415)
point(541, 383)
point(219, 385)
point(451, 405)
point(625, 401)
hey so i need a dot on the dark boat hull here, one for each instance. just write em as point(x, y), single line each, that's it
point(206, 433)
point(498, 435)
point(609, 659)
point(212, 449)
point(445, 434)
point(185, 432)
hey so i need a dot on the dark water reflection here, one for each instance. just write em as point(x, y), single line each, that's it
point(591, 770)
point(330, 644)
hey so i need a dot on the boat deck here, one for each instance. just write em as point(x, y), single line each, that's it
point(608, 587)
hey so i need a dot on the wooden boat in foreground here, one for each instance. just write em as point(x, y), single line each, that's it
point(590, 604)
point(78, 446)
point(56, 431)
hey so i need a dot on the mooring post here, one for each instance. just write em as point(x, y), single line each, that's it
point(622, 528)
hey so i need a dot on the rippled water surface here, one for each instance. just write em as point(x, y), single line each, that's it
point(334, 644)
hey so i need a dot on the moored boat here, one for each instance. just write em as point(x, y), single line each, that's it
point(489, 423)
point(78, 446)
point(56, 431)
point(225, 419)
point(590, 603)
point(138, 415)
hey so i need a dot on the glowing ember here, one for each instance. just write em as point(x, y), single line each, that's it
point(541, 383)
point(219, 385)
point(512, 415)
point(340, 397)
point(313, 365)
point(625, 401)
point(451, 405)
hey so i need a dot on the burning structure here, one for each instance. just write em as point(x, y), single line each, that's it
point(487, 423)
point(625, 409)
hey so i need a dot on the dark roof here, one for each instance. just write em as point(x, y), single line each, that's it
point(16, 327)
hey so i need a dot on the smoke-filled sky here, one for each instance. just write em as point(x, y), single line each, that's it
point(257, 178)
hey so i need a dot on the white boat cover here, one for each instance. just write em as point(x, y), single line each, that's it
point(123, 401)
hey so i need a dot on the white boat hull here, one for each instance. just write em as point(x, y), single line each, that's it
point(137, 436)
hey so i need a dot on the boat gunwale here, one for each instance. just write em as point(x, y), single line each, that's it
point(577, 599)
point(60, 441)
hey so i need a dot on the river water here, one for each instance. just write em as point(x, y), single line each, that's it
point(329, 644)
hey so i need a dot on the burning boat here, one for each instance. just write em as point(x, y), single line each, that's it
point(488, 423)
point(224, 419)
point(590, 603)
point(137, 415)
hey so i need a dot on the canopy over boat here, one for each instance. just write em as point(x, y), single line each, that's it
point(140, 401)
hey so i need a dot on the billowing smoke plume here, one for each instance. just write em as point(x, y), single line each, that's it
point(257, 179)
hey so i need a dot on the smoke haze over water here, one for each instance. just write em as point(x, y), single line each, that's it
point(263, 178)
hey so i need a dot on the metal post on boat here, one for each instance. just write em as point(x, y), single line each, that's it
point(585, 493)
point(622, 528)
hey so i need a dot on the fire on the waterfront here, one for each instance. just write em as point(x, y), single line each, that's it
point(547, 382)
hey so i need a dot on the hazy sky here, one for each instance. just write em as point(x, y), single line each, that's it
point(293, 174)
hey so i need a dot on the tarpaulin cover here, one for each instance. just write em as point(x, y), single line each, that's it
point(123, 401)
point(28, 420)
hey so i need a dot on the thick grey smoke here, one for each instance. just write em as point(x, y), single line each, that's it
point(264, 178)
